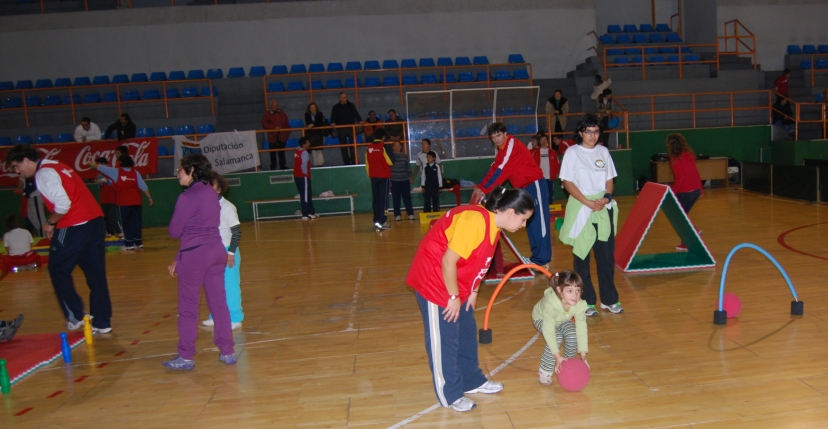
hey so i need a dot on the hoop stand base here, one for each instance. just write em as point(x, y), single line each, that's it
point(797, 308)
point(719, 317)
point(485, 336)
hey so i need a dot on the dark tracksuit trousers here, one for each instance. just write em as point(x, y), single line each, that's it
point(605, 264)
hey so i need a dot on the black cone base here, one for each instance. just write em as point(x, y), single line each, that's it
point(485, 336)
point(720, 317)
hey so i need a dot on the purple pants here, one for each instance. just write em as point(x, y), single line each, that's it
point(202, 265)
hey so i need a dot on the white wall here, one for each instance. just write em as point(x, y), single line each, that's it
point(622, 12)
point(551, 34)
point(777, 24)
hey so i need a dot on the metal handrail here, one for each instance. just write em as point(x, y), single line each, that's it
point(814, 70)
point(681, 63)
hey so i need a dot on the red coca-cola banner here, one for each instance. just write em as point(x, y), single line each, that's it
point(78, 155)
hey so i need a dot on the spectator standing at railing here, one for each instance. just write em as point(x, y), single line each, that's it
point(558, 106)
point(780, 85)
point(315, 122)
point(276, 119)
point(603, 107)
point(370, 125)
point(394, 126)
point(122, 129)
point(87, 131)
point(346, 113)
point(599, 86)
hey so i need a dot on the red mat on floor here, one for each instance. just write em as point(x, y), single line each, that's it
point(26, 353)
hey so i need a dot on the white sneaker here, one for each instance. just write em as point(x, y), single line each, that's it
point(544, 378)
point(235, 325)
point(463, 404)
point(305, 217)
point(410, 217)
point(313, 216)
point(127, 248)
point(615, 308)
point(488, 387)
point(74, 326)
point(397, 218)
point(208, 322)
point(380, 227)
point(591, 311)
point(102, 330)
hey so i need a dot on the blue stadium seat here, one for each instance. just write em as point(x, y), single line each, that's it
point(6, 86)
point(100, 80)
point(43, 83)
point(480, 60)
point(649, 51)
point(818, 98)
point(821, 64)
point(809, 49)
point(335, 67)
point(316, 85)
point(316, 68)
point(120, 78)
point(292, 143)
point(189, 91)
point(110, 97)
point(630, 28)
point(482, 76)
point(390, 64)
point(75, 99)
point(43, 138)
point(64, 138)
point(673, 59)
point(92, 98)
point(427, 62)
point(458, 132)
point(614, 29)
point(195, 74)
point(408, 63)
point(449, 78)
point(620, 60)
point(353, 66)
point(444, 62)
point(235, 72)
point(410, 79)
point(350, 83)
point(296, 85)
point(144, 132)
point(462, 61)
point(521, 74)
point(184, 129)
point(631, 51)
point(281, 69)
point(667, 50)
point(823, 49)
point(428, 79)
point(333, 84)
point(22, 140)
point(151, 94)
point(507, 111)
point(606, 39)
point(53, 100)
point(390, 81)
point(32, 101)
point(372, 65)
point(658, 38)
point(81, 81)
point(172, 93)
point(646, 28)
point(257, 71)
point(162, 151)
point(164, 131)
point(206, 129)
point(692, 57)
point(639, 38)
point(372, 81)
point(794, 50)
point(513, 129)
point(486, 112)
point(275, 87)
point(330, 140)
point(465, 77)
point(686, 50)
point(615, 52)
point(656, 59)
point(6, 141)
point(635, 60)
point(530, 129)
point(664, 28)
point(527, 110)
point(158, 76)
point(177, 75)
point(516, 59)
point(139, 77)
point(63, 81)
point(469, 113)
point(215, 74)
point(130, 96)
point(623, 38)
point(298, 68)
point(503, 75)
point(673, 38)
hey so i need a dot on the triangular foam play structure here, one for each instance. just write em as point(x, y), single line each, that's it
point(524, 274)
point(655, 197)
point(25, 354)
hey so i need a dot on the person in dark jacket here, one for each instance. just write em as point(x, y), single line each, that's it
point(346, 113)
point(317, 130)
point(276, 119)
point(124, 127)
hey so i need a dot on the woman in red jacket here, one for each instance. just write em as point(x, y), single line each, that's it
point(450, 262)
point(687, 183)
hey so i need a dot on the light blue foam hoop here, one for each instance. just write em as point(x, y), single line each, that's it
point(762, 251)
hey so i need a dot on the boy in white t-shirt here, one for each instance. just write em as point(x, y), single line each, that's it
point(18, 243)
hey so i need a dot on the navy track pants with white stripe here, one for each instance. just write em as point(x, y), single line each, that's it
point(452, 351)
point(537, 228)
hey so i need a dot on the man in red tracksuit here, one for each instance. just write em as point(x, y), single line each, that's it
point(514, 163)
point(276, 119)
point(378, 164)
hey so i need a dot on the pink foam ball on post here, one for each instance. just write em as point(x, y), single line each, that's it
point(732, 305)
point(574, 374)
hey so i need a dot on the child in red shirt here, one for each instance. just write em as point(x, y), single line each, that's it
point(547, 159)
point(687, 183)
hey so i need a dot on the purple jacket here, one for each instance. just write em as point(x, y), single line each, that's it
point(195, 220)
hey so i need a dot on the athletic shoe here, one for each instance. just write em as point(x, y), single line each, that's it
point(235, 325)
point(208, 322)
point(614, 309)
point(179, 364)
point(74, 326)
point(140, 246)
point(397, 218)
point(410, 217)
point(544, 378)
point(305, 217)
point(102, 330)
point(488, 387)
point(228, 359)
point(591, 311)
point(380, 227)
point(7, 332)
point(313, 216)
point(681, 248)
point(125, 248)
point(463, 404)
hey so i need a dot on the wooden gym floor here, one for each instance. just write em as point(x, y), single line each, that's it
point(332, 337)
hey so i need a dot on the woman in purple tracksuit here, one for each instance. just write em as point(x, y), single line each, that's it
point(200, 260)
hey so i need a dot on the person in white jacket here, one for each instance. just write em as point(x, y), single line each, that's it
point(600, 85)
point(87, 131)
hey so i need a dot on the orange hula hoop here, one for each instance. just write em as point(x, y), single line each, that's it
point(503, 282)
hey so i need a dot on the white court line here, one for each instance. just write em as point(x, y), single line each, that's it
point(354, 302)
point(493, 372)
